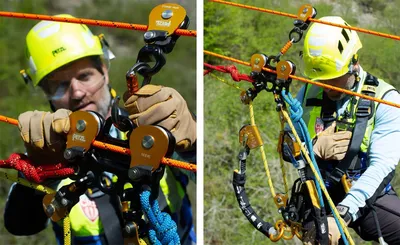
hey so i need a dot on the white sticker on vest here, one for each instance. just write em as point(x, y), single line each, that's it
point(89, 208)
point(319, 125)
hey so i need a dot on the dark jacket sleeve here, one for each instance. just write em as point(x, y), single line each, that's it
point(24, 214)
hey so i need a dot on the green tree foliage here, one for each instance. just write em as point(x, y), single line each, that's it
point(15, 97)
point(239, 33)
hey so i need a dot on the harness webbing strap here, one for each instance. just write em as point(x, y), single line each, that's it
point(365, 110)
point(109, 216)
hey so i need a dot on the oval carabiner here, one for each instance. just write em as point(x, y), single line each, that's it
point(296, 31)
point(151, 53)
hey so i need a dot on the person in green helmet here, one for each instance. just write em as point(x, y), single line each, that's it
point(352, 136)
point(70, 65)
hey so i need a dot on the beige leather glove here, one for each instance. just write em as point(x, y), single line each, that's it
point(331, 145)
point(44, 134)
point(163, 106)
point(334, 233)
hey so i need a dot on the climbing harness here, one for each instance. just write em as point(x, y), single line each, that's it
point(139, 160)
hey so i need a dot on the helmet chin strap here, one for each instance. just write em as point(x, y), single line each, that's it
point(354, 71)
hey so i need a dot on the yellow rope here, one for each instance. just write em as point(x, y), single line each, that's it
point(232, 84)
point(26, 183)
point(253, 123)
point(319, 180)
point(45, 189)
point(144, 241)
point(67, 230)
point(263, 156)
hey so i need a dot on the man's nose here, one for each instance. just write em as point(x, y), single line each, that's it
point(327, 90)
point(77, 93)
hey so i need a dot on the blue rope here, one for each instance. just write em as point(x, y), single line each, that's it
point(296, 113)
point(163, 230)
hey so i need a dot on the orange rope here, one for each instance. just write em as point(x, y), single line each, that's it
point(255, 8)
point(127, 151)
point(9, 120)
point(111, 24)
point(380, 34)
point(302, 79)
point(121, 150)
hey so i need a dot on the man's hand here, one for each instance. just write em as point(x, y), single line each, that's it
point(163, 106)
point(44, 134)
point(331, 145)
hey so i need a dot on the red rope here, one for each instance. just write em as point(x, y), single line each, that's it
point(36, 173)
point(236, 76)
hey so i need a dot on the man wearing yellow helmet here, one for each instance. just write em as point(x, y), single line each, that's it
point(70, 64)
point(352, 136)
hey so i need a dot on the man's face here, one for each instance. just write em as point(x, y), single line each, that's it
point(346, 82)
point(79, 86)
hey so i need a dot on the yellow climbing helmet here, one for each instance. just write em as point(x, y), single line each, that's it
point(51, 45)
point(329, 51)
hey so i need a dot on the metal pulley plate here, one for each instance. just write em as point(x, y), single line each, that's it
point(166, 17)
point(84, 128)
point(306, 11)
point(148, 145)
point(257, 62)
point(284, 68)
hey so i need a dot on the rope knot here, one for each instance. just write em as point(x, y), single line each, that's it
point(163, 229)
point(296, 111)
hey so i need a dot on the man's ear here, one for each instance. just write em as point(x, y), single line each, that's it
point(356, 67)
point(105, 72)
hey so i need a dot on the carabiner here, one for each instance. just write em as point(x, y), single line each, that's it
point(151, 53)
point(296, 31)
point(131, 76)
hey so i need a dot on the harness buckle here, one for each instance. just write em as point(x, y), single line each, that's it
point(328, 117)
point(364, 108)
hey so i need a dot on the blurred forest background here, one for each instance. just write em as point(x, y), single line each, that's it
point(15, 97)
point(239, 33)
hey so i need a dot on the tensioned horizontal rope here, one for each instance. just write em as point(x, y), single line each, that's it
point(118, 149)
point(105, 23)
point(302, 79)
point(380, 34)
